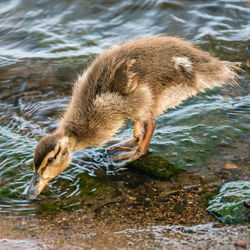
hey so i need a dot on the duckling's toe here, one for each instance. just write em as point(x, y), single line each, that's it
point(141, 145)
point(123, 153)
point(124, 146)
point(123, 156)
point(133, 143)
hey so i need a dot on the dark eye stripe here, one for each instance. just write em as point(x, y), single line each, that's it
point(57, 152)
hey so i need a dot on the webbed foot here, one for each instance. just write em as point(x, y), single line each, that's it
point(133, 149)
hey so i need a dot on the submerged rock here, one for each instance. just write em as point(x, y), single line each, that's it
point(156, 166)
point(228, 205)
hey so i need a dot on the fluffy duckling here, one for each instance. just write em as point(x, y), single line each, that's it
point(138, 81)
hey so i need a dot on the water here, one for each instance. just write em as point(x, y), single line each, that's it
point(45, 44)
point(228, 204)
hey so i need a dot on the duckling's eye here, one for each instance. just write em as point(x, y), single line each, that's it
point(64, 153)
point(50, 160)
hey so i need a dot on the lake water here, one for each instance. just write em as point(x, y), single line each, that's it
point(44, 45)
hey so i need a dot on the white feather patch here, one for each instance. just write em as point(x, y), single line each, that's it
point(182, 63)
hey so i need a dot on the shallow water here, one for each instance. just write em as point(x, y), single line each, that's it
point(228, 205)
point(45, 44)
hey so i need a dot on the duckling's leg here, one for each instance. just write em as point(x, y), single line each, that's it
point(142, 143)
point(149, 131)
point(127, 145)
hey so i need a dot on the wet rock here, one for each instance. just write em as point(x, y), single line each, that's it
point(165, 194)
point(156, 166)
point(229, 205)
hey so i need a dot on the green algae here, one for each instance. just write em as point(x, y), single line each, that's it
point(156, 166)
point(228, 206)
point(64, 196)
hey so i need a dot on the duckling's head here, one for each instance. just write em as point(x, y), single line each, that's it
point(52, 155)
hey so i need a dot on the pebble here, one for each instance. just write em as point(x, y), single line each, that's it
point(240, 244)
point(230, 166)
point(132, 198)
point(247, 203)
point(19, 228)
point(167, 193)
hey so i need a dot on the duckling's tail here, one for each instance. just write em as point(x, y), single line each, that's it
point(223, 72)
point(232, 68)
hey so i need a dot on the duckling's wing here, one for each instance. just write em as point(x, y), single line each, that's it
point(123, 78)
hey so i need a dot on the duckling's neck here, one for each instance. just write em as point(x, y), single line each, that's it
point(74, 142)
point(93, 127)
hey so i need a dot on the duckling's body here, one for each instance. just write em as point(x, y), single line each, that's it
point(138, 81)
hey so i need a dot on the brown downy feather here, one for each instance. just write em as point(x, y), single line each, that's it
point(138, 80)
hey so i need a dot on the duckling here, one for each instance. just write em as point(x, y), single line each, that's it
point(138, 81)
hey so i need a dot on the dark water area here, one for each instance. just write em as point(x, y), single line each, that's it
point(45, 44)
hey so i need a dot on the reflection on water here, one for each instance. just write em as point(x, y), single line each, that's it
point(45, 44)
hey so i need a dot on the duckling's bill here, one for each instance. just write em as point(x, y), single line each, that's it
point(37, 185)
